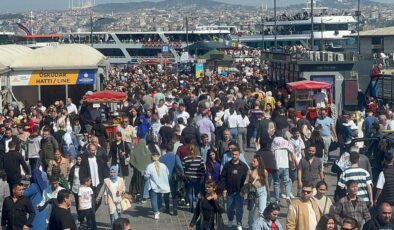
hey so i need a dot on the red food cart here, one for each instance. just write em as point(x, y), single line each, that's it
point(302, 95)
point(107, 96)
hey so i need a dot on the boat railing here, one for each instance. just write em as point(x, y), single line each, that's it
point(313, 56)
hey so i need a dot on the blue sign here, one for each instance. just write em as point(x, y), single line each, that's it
point(165, 49)
point(86, 77)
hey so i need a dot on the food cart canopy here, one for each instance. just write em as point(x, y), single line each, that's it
point(105, 96)
point(311, 85)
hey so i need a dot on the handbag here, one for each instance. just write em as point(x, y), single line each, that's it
point(125, 202)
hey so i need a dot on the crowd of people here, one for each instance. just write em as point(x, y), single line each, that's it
point(188, 140)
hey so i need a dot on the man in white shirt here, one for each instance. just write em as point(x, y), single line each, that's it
point(40, 106)
point(182, 112)
point(71, 107)
point(95, 168)
point(320, 99)
point(161, 109)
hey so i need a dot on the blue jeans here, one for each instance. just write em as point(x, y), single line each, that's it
point(281, 175)
point(145, 192)
point(258, 209)
point(196, 186)
point(234, 133)
point(235, 206)
point(114, 216)
point(374, 89)
point(156, 200)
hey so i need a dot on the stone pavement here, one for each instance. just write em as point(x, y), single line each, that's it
point(141, 215)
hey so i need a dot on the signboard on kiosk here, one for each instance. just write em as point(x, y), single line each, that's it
point(53, 77)
point(199, 70)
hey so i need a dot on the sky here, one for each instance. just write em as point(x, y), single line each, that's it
point(13, 6)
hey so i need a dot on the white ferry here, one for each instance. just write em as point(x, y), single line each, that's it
point(328, 30)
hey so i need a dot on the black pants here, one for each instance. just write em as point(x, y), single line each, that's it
point(90, 218)
point(76, 198)
point(96, 191)
point(33, 163)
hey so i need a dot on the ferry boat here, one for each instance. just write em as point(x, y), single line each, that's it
point(329, 30)
point(134, 47)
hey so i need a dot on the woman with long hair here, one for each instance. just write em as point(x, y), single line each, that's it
point(208, 209)
point(257, 178)
point(326, 222)
point(157, 175)
point(268, 219)
point(119, 151)
point(26, 121)
point(193, 165)
point(213, 165)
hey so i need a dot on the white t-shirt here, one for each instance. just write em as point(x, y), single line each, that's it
point(320, 100)
point(72, 108)
point(298, 145)
point(161, 111)
point(86, 197)
point(282, 159)
point(381, 181)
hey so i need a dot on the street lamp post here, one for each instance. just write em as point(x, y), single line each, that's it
point(262, 34)
point(321, 34)
point(312, 29)
point(358, 13)
point(275, 20)
point(187, 35)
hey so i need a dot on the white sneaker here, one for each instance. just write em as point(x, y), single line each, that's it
point(283, 196)
point(288, 200)
point(230, 224)
point(157, 216)
point(292, 196)
point(239, 227)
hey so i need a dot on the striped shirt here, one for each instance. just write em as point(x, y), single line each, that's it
point(361, 176)
point(193, 167)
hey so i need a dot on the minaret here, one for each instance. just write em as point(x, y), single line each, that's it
point(31, 22)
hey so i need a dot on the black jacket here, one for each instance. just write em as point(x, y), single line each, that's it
point(71, 175)
point(14, 215)
point(375, 224)
point(206, 210)
point(2, 144)
point(12, 162)
point(84, 170)
point(192, 132)
point(233, 177)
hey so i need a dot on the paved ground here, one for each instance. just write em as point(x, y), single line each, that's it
point(141, 215)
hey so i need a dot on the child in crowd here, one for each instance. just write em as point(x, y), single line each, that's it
point(85, 196)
